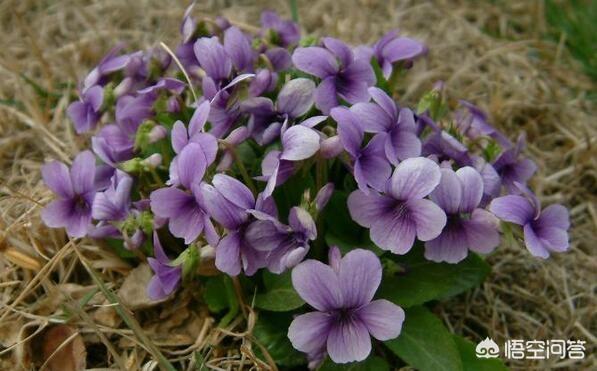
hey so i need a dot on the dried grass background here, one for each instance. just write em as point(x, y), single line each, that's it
point(492, 54)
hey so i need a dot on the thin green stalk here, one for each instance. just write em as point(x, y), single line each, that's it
point(294, 10)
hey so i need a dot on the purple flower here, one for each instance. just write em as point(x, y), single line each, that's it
point(186, 211)
point(473, 123)
point(398, 126)
point(371, 168)
point(167, 276)
point(468, 227)
point(544, 231)
point(513, 167)
point(294, 100)
point(397, 216)
point(445, 147)
point(345, 316)
point(110, 63)
point(341, 73)
point(228, 201)
point(323, 196)
point(390, 49)
point(86, 113)
point(75, 190)
point(287, 32)
point(284, 246)
point(114, 203)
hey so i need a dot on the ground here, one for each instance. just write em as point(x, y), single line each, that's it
point(502, 55)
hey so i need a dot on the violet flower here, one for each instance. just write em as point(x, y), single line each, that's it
point(371, 168)
point(345, 316)
point(399, 128)
point(186, 211)
point(166, 277)
point(473, 123)
point(397, 216)
point(513, 167)
point(76, 192)
point(343, 75)
point(544, 231)
point(114, 203)
point(468, 227)
point(284, 246)
point(294, 100)
point(287, 32)
point(86, 113)
point(110, 63)
point(228, 201)
point(390, 49)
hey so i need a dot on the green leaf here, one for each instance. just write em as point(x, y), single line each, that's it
point(423, 280)
point(470, 362)
point(279, 296)
point(373, 363)
point(425, 343)
point(270, 331)
point(215, 294)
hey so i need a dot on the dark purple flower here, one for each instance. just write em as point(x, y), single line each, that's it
point(228, 201)
point(371, 168)
point(513, 167)
point(284, 246)
point(110, 63)
point(75, 190)
point(468, 227)
point(341, 73)
point(473, 123)
point(544, 231)
point(167, 276)
point(399, 128)
point(114, 203)
point(294, 100)
point(186, 211)
point(390, 49)
point(397, 216)
point(288, 33)
point(86, 113)
point(345, 316)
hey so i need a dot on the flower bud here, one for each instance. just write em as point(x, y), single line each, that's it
point(331, 147)
point(323, 196)
point(173, 106)
point(157, 133)
point(152, 161)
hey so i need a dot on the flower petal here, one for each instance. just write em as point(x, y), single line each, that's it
point(450, 246)
point(191, 165)
point(325, 95)
point(315, 61)
point(213, 58)
point(534, 243)
point(199, 118)
point(228, 254)
point(56, 176)
point(513, 209)
point(348, 341)
point(365, 209)
point(472, 188)
point(429, 218)
point(234, 191)
point(317, 284)
point(395, 230)
point(482, 231)
point(296, 97)
point(309, 332)
point(82, 172)
point(383, 319)
point(299, 143)
point(359, 276)
point(555, 216)
point(384, 101)
point(373, 118)
point(238, 47)
point(350, 132)
point(448, 194)
point(414, 178)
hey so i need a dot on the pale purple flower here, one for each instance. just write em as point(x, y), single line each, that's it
point(186, 211)
point(114, 203)
point(294, 100)
point(86, 113)
point(299, 142)
point(345, 315)
point(445, 147)
point(166, 277)
point(401, 214)
point(473, 122)
point(288, 33)
point(468, 227)
point(284, 246)
point(513, 167)
point(544, 231)
point(398, 126)
point(371, 168)
point(228, 202)
point(115, 142)
point(75, 192)
point(390, 49)
point(343, 76)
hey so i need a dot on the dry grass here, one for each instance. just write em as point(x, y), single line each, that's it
point(490, 54)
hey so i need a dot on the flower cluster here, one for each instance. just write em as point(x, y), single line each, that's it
point(194, 148)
